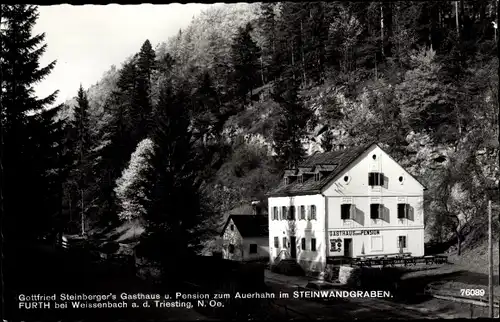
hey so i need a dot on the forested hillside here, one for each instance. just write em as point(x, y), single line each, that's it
point(179, 134)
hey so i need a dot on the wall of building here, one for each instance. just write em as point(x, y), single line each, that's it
point(357, 178)
point(262, 248)
point(377, 242)
point(351, 187)
point(242, 245)
point(310, 260)
point(232, 237)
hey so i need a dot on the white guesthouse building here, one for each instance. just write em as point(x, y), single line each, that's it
point(349, 203)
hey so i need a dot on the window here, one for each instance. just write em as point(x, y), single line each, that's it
point(303, 244)
point(276, 242)
point(303, 212)
point(375, 179)
point(287, 180)
point(377, 245)
point(300, 179)
point(313, 244)
point(345, 211)
point(231, 249)
point(312, 213)
point(283, 213)
point(346, 178)
point(275, 213)
point(317, 176)
point(253, 248)
point(375, 210)
point(284, 242)
point(291, 213)
point(374, 157)
point(402, 241)
point(232, 227)
point(401, 179)
point(403, 210)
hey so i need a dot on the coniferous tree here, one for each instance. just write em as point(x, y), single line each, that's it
point(83, 142)
point(20, 70)
point(245, 55)
point(327, 141)
point(172, 202)
point(206, 110)
point(146, 64)
point(291, 127)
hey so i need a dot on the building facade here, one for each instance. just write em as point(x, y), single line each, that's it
point(245, 238)
point(349, 203)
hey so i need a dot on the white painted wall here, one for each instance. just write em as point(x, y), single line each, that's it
point(354, 189)
point(386, 242)
point(234, 238)
point(242, 245)
point(357, 172)
point(262, 248)
point(299, 228)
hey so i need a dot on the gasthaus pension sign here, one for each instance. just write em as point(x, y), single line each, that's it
point(334, 233)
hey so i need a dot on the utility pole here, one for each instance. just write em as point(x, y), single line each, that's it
point(490, 259)
point(83, 218)
point(498, 116)
point(456, 17)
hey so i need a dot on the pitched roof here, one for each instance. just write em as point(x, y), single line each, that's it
point(249, 225)
point(340, 159)
point(244, 209)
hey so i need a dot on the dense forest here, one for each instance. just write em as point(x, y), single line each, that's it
point(182, 132)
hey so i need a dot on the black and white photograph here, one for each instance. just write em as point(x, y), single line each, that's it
point(250, 161)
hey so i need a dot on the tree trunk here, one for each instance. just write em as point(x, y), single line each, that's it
point(382, 27)
point(302, 51)
point(459, 243)
point(262, 71)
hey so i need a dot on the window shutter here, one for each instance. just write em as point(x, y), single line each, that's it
point(309, 212)
point(381, 176)
point(371, 179)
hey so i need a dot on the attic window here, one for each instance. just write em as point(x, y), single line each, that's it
point(300, 179)
point(401, 179)
point(317, 176)
point(374, 157)
point(375, 179)
point(231, 227)
point(287, 180)
point(346, 179)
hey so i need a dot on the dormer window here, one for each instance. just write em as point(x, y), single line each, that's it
point(287, 180)
point(300, 179)
point(291, 213)
point(317, 176)
point(375, 179)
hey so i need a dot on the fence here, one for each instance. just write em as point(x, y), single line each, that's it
point(399, 260)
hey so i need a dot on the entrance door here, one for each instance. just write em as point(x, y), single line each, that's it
point(293, 247)
point(348, 247)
